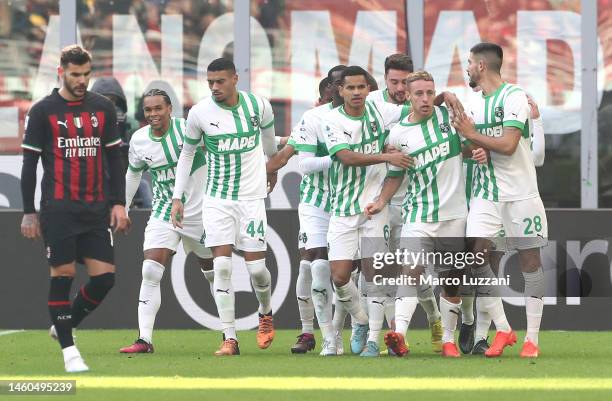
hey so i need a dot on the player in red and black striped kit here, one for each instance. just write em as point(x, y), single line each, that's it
point(75, 134)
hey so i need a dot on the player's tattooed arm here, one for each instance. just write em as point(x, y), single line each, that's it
point(30, 226)
point(505, 144)
point(119, 219)
point(390, 187)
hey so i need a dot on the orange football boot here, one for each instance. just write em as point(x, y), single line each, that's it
point(530, 350)
point(228, 347)
point(449, 350)
point(502, 340)
point(265, 332)
point(396, 343)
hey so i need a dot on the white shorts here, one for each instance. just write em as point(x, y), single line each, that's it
point(351, 237)
point(523, 223)
point(443, 236)
point(241, 223)
point(396, 222)
point(161, 234)
point(314, 223)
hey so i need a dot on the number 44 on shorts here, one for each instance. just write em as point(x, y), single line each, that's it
point(260, 228)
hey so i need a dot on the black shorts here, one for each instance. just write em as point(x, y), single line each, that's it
point(74, 236)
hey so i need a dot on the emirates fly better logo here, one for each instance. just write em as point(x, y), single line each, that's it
point(79, 147)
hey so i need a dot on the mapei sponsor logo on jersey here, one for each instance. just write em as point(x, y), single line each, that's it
point(429, 155)
point(371, 148)
point(165, 175)
point(79, 147)
point(231, 144)
point(496, 131)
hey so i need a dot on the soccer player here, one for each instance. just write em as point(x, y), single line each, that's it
point(313, 287)
point(505, 187)
point(156, 147)
point(355, 134)
point(238, 132)
point(74, 132)
point(473, 337)
point(325, 92)
point(397, 70)
point(434, 207)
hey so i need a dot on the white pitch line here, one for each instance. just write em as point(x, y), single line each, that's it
point(7, 332)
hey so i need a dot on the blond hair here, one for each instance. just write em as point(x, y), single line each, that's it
point(419, 76)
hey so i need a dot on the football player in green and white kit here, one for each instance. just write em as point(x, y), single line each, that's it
point(397, 69)
point(355, 134)
point(473, 337)
point(238, 132)
point(313, 287)
point(434, 207)
point(156, 147)
point(506, 187)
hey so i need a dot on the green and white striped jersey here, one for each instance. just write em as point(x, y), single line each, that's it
point(470, 169)
point(160, 156)
point(382, 95)
point(236, 164)
point(308, 136)
point(436, 185)
point(504, 178)
point(352, 188)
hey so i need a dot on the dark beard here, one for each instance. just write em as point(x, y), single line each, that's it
point(73, 93)
point(473, 84)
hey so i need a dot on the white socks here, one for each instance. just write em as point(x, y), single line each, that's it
point(483, 321)
point(149, 298)
point(404, 309)
point(224, 295)
point(534, 305)
point(348, 295)
point(210, 277)
point(322, 295)
point(262, 284)
point(304, 300)
point(450, 313)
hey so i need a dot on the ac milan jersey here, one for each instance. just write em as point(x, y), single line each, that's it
point(71, 138)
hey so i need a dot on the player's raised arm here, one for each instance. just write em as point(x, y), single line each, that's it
point(451, 101)
point(537, 130)
point(516, 114)
point(505, 144)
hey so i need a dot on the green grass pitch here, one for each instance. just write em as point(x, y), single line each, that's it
point(573, 366)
